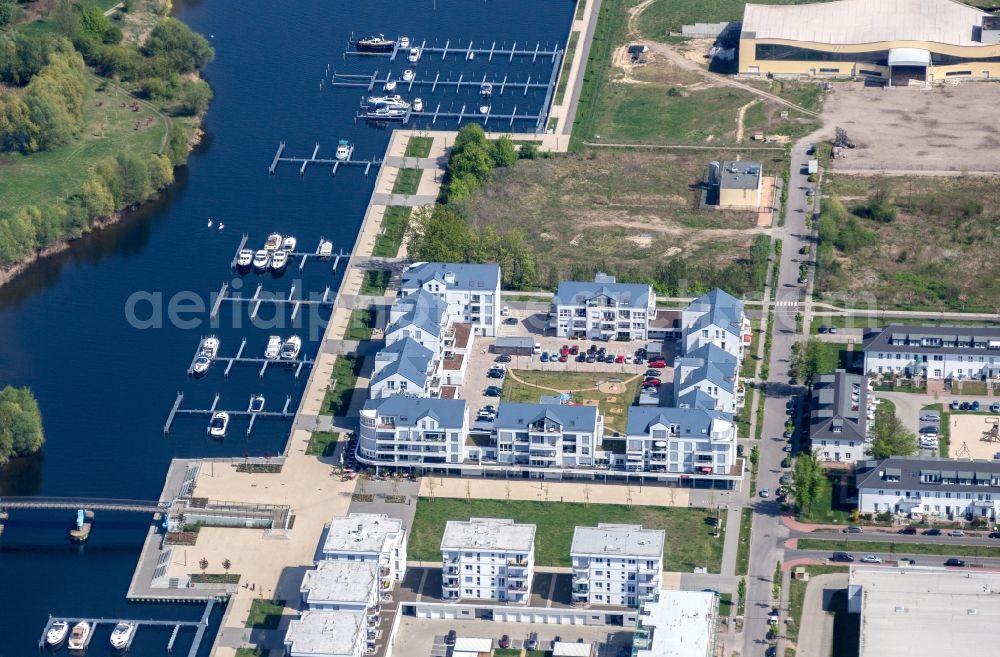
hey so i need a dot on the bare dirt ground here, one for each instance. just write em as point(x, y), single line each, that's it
point(969, 430)
point(950, 128)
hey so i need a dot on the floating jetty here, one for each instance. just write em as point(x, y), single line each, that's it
point(81, 532)
point(177, 410)
point(302, 255)
point(303, 162)
point(465, 52)
point(239, 358)
point(259, 298)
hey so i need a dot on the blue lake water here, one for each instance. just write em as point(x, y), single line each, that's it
point(105, 386)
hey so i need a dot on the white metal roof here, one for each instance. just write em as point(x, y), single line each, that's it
point(909, 57)
point(473, 645)
point(563, 649)
point(866, 21)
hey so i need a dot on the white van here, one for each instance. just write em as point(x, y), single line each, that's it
point(538, 348)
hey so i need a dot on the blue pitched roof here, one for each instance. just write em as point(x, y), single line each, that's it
point(467, 276)
point(408, 410)
point(411, 361)
point(696, 399)
point(720, 308)
point(421, 309)
point(632, 295)
point(515, 415)
point(712, 363)
point(693, 422)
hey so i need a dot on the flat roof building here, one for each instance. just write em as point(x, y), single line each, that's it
point(908, 612)
point(488, 559)
point(616, 564)
point(739, 184)
point(341, 584)
point(679, 624)
point(326, 634)
point(890, 40)
point(369, 537)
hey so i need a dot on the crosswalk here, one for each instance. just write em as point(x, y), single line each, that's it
point(788, 303)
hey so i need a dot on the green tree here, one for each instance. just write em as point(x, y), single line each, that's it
point(503, 152)
point(471, 134)
point(810, 358)
point(7, 11)
point(93, 22)
point(134, 176)
point(440, 235)
point(161, 171)
point(20, 423)
point(174, 46)
point(891, 438)
point(808, 481)
point(96, 197)
point(194, 97)
point(177, 146)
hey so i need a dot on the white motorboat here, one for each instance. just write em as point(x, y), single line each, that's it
point(260, 259)
point(273, 242)
point(257, 403)
point(79, 637)
point(486, 90)
point(121, 636)
point(414, 55)
point(344, 150)
point(484, 109)
point(273, 348)
point(418, 104)
point(289, 243)
point(471, 55)
point(325, 249)
point(290, 350)
point(403, 42)
point(209, 346)
point(279, 260)
point(201, 364)
point(220, 422)
point(57, 633)
point(408, 75)
point(390, 85)
point(393, 101)
point(244, 258)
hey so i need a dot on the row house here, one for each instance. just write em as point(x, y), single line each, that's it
point(934, 352)
point(548, 435)
point(929, 487)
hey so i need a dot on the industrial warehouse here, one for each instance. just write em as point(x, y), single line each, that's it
point(893, 41)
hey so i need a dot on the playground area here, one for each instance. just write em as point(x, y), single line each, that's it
point(974, 436)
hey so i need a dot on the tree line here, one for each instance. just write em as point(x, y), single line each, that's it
point(50, 111)
point(20, 423)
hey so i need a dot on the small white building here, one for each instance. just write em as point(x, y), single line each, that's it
point(716, 318)
point(929, 488)
point(326, 634)
point(371, 537)
point(934, 352)
point(616, 564)
point(342, 585)
point(402, 431)
point(678, 624)
point(472, 291)
point(488, 559)
point(603, 309)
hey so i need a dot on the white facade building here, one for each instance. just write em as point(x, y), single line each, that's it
point(471, 291)
point(405, 367)
point(931, 488)
point(420, 316)
point(934, 352)
point(339, 584)
point(679, 624)
point(604, 309)
point(617, 564)
point(369, 537)
point(488, 559)
point(681, 440)
point(326, 634)
point(716, 318)
point(403, 431)
point(548, 435)
point(713, 371)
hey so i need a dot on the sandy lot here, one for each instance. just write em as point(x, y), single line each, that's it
point(968, 429)
point(950, 128)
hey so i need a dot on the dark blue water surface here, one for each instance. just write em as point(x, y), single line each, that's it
point(104, 386)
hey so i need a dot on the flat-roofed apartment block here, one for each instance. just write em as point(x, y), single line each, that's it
point(929, 488)
point(548, 435)
point(740, 184)
point(685, 441)
point(718, 318)
point(472, 291)
point(603, 309)
point(373, 537)
point(343, 585)
point(678, 624)
point(616, 564)
point(403, 431)
point(895, 41)
point(841, 416)
point(934, 352)
point(487, 559)
point(327, 634)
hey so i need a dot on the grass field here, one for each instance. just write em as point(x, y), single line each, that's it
point(322, 443)
point(407, 181)
point(345, 375)
point(931, 256)
point(418, 146)
point(614, 408)
point(743, 551)
point(625, 213)
point(55, 175)
point(824, 511)
point(265, 614)
point(394, 224)
point(883, 547)
point(360, 324)
point(376, 282)
point(690, 541)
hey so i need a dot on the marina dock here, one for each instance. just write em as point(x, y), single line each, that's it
point(298, 363)
point(303, 162)
point(176, 410)
point(260, 297)
point(303, 256)
point(466, 52)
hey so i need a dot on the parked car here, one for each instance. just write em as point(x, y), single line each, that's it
point(658, 364)
point(591, 358)
point(531, 643)
point(823, 328)
point(933, 531)
point(787, 448)
point(544, 357)
point(489, 408)
point(974, 406)
point(610, 358)
point(842, 557)
point(651, 381)
point(785, 480)
point(574, 350)
point(652, 372)
point(954, 563)
point(930, 417)
point(853, 529)
point(619, 358)
point(956, 533)
point(581, 358)
point(994, 535)
point(908, 531)
point(496, 373)
point(450, 638)
point(954, 405)
point(592, 349)
point(964, 406)
point(505, 641)
point(833, 329)
point(564, 350)
point(765, 492)
point(493, 391)
point(503, 358)
point(485, 417)
point(929, 431)
point(871, 558)
point(563, 358)
point(995, 407)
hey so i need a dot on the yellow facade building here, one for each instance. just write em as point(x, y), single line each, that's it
point(739, 184)
point(894, 41)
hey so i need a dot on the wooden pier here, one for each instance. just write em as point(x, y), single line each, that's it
point(253, 415)
point(463, 114)
point(303, 162)
point(258, 298)
point(468, 52)
point(299, 363)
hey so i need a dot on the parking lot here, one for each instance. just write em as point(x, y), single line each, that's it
point(424, 637)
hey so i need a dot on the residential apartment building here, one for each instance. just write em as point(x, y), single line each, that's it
point(616, 564)
point(687, 441)
point(420, 316)
point(929, 488)
point(343, 585)
point(604, 309)
point(487, 559)
point(716, 318)
point(713, 371)
point(472, 291)
point(369, 537)
point(679, 624)
point(842, 411)
point(403, 431)
point(547, 435)
point(405, 367)
point(934, 352)
point(327, 634)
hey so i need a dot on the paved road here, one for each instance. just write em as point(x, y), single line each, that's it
point(893, 537)
point(890, 558)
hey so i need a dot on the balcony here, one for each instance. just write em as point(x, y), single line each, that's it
point(450, 583)
point(516, 586)
point(517, 563)
point(581, 579)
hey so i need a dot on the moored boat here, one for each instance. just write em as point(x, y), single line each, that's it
point(408, 75)
point(220, 422)
point(484, 109)
point(403, 42)
point(375, 44)
point(326, 249)
point(344, 150)
point(57, 633)
point(121, 636)
point(201, 364)
point(273, 348)
point(279, 260)
point(273, 242)
point(486, 90)
point(418, 104)
point(80, 636)
point(257, 403)
point(390, 85)
point(393, 101)
point(209, 346)
point(260, 259)
point(289, 244)
point(414, 55)
point(244, 258)
point(290, 349)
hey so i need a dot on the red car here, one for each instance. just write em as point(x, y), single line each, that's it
point(564, 351)
point(657, 364)
point(651, 382)
point(619, 359)
point(563, 358)
point(574, 350)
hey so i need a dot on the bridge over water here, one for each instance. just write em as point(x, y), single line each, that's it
point(8, 503)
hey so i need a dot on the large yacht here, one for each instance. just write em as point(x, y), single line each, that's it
point(260, 259)
point(273, 242)
point(57, 633)
point(375, 44)
point(279, 260)
point(244, 258)
point(121, 636)
point(393, 101)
